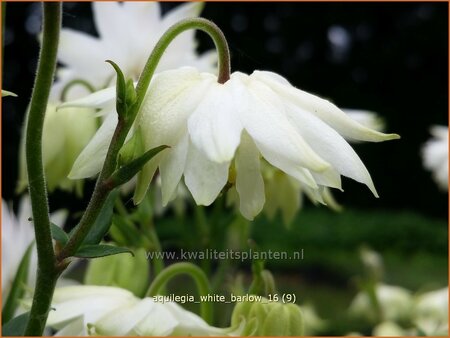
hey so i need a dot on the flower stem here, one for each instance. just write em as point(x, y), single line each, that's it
point(193, 23)
point(71, 84)
point(47, 272)
point(197, 275)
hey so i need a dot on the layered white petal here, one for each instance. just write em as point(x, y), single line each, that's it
point(72, 49)
point(204, 178)
point(249, 181)
point(331, 146)
point(160, 322)
point(262, 114)
point(172, 167)
point(323, 109)
point(101, 99)
point(90, 160)
point(214, 125)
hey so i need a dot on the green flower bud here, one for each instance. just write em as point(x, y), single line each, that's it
point(125, 271)
point(264, 318)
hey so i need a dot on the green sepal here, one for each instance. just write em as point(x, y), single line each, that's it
point(128, 171)
point(17, 288)
point(59, 234)
point(16, 326)
point(100, 250)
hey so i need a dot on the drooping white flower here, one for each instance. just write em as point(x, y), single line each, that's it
point(210, 125)
point(435, 155)
point(17, 235)
point(110, 311)
point(127, 34)
point(66, 132)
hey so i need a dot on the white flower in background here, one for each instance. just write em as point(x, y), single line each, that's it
point(66, 133)
point(127, 34)
point(17, 235)
point(431, 312)
point(389, 329)
point(110, 311)
point(395, 304)
point(210, 125)
point(435, 155)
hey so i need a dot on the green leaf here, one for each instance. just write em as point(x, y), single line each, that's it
point(59, 234)
point(100, 250)
point(8, 93)
point(103, 221)
point(16, 326)
point(128, 171)
point(17, 288)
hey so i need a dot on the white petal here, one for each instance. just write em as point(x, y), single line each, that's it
point(76, 328)
point(90, 160)
point(204, 178)
point(172, 167)
point(92, 302)
point(109, 17)
point(123, 320)
point(249, 181)
point(72, 50)
point(171, 98)
point(100, 99)
point(331, 146)
point(159, 322)
point(323, 109)
point(262, 114)
point(214, 126)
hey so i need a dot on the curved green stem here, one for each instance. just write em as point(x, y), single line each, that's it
point(193, 23)
point(76, 82)
point(47, 272)
point(197, 275)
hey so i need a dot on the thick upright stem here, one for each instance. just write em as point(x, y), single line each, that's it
point(47, 273)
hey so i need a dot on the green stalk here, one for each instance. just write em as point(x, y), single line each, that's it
point(47, 272)
point(197, 275)
point(102, 189)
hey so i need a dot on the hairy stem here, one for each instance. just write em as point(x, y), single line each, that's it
point(47, 272)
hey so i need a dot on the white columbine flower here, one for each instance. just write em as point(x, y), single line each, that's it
point(366, 118)
point(127, 34)
point(110, 311)
point(435, 155)
point(210, 126)
point(17, 235)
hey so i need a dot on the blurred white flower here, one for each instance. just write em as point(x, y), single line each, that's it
point(388, 329)
point(431, 312)
point(395, 304)
point(17, 235)
point(127, 34)
point(208, 125)
point(435, 155)
point(110, 311)
point(66, 133)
